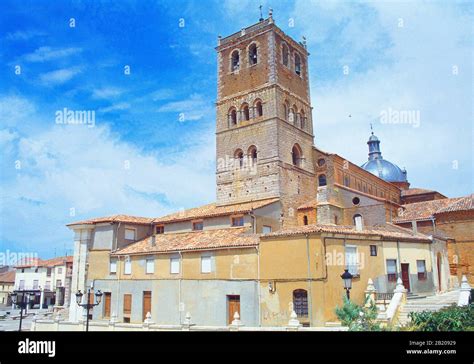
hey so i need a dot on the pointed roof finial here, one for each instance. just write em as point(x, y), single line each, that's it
point(261, 15)
point(371, 129)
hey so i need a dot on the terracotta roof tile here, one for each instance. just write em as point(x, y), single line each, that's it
point(463, 204)
point(387, 231)
point(36, 262)
point(195, 240)
point(424, 210)
point(7, 277)
point(212, 210)
point(114, 218)
point(416, 191)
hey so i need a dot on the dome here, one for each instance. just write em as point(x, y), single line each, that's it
point(380, 167)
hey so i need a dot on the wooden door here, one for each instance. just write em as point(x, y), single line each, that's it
point(127, 307)
point(107, 303)
point(146, 304)
point(406, 275)
point(233, 306)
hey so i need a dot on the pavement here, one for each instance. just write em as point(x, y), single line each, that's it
point(10, 324)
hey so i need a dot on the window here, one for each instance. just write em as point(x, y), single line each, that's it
point(392, 270)
point(305, 220)
point(238, 221)
point(48, 272)
point(300, 302)
point(128, 267)
point(252, 153)
point(58, 283)
point(239, 156)
point(47, 286)
point(373, 250)
point(335, 219)
point(258, 108)
point(233, 116)
point(235, 61)
point(358, 222)
point(35, 284)
point(206, 264)
point(198, 225)
point(296, 155)
point(130, 234)
point(284, 54)
point(421, 267)
point(253, 55)
point(113, 266)
point(302, 119)
point(297, 64)
point(150, 266)
point(322, 180)
point(356, 200)
point(352, 263)
point(293, 115)
point(60, 271)
point(347, 181)
point(245, 112)
point(266, 229)
point(174, 265)
point(321, 162)
point(160, 229)
point(22, 284)
point(286, 110)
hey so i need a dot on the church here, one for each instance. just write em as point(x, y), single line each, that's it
point(288, 218)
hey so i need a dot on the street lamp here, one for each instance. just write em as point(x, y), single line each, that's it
point(89, 304)
point(347, 278)
point(23, 303)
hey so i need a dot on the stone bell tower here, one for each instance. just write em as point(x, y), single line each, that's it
point(264, 128)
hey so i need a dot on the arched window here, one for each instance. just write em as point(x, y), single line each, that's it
point(322, 180)
point(358, 222)
point(300, 302)
point(296, 155)
point(286, 110)
point(235, 60)
point(253, 56)
point(239, 157)
point(284, 54)
point(297, 64)
point(245, 111)
point(305, 220)
point(258, 108)
point(302, 119)
point(233, 116)
point(252, 153)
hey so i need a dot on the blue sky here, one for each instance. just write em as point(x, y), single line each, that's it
point(152, 149)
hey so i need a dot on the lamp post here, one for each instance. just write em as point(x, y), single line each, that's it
point(89, 304)
point(23, 303)
point(347, 278)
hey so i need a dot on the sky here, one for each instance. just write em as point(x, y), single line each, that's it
point(147, 69)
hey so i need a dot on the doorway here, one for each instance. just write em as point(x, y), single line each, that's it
point(107, 303)
point(146, 303)
point(233, 306)
point(406, 276)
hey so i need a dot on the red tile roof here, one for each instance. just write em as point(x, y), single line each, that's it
point(386, 232)
point(463, 204)
point(196, 240)
point(418, 191)
point(212, 210)
point(115, 218)
point(425, 210)
point(36, 262)
point(7, 277)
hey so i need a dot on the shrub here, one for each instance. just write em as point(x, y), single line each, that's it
point(358, 318)
point(452, 318)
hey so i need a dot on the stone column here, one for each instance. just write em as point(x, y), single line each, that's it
point(465, 292)
point(370, 293)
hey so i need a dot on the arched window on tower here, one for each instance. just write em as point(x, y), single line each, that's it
point(258, 108)
point(302, 119)
point(294, 115)
point(284, 54)
point(297, 64)
point(286, 110)
point(358, 222)
point(239, 157)
point(235, 61)
point(245, 112)
point(300, 302)
point(322, 180)
point(297, 155)
point(233, 116)
point(252, 153)
point(253, 55)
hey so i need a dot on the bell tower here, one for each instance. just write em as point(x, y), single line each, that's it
point(264, 128)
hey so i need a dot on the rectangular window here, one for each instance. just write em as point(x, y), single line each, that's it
point(129, 234)
point(373, 250)
point(150, 266)
point(48, 272)
point(266, 229)
point(238, 221)
point(174, 265)
point(22, 285)
point(421, 267)
point(47, 286)
point(392, 270)
point(128, 267)
point(35, 284)
point(352, 263)
point(60, 271)
point(206, 264)
point(58, 283)
point(198, 225)
point(113, 266)
point(160, 229)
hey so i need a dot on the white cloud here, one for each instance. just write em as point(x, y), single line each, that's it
point(59, 76)
point(24, 35)
point(193, 108)
point(14, 109)
point(107, 92)
point(43, 54)
point(116, 107)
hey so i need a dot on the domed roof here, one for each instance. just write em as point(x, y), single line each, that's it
point(380, 167)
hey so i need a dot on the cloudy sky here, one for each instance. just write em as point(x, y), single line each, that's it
point(148, 71)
